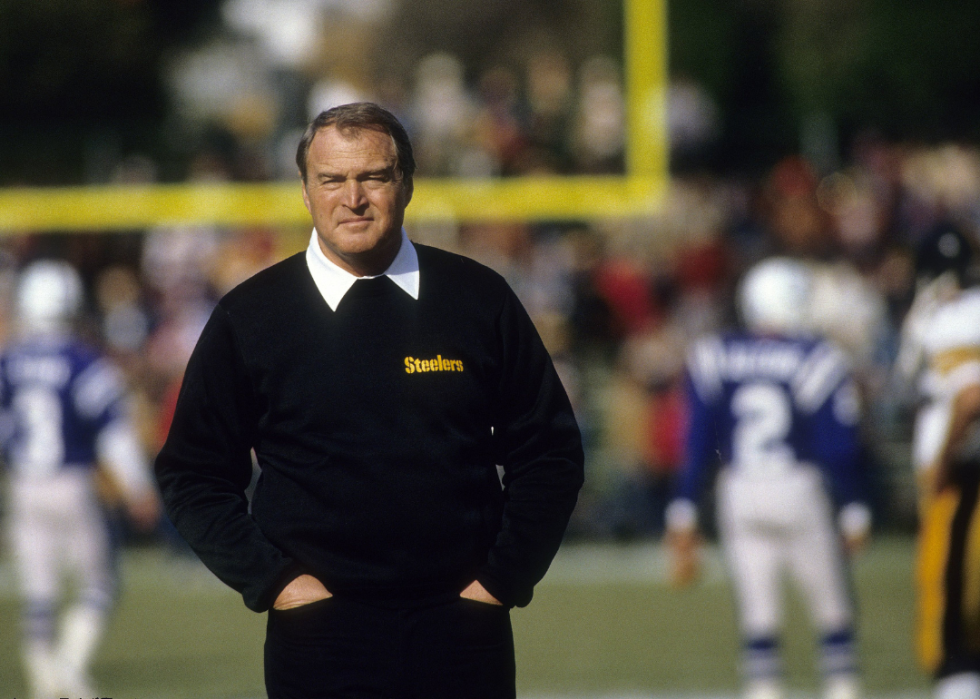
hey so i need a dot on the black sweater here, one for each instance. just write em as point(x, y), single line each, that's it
point(377, 428)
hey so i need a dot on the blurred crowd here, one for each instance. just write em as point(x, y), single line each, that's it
point(249, 90)
point(617, 301)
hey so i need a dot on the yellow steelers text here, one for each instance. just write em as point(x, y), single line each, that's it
point(413, 365)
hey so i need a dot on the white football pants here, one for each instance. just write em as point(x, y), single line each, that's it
point(771, 526)
point(57, 530)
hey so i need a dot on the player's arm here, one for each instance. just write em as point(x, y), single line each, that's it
point(100, 395)
point(836, 442)
point(964, 417)
point(683, 541)
point(915, 327)
point(122, 455)
point(682, 534)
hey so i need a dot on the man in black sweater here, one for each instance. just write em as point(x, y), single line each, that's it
point(379, 383)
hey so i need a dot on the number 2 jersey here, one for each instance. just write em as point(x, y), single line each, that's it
point(62, 406)
point(763, 407)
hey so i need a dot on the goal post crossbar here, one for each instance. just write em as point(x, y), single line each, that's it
point(639, 192)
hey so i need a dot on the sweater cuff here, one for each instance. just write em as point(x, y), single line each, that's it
point(505, 596)
point(263, 601)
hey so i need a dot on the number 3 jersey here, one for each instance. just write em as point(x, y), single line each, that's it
point(58, 396)
point(769, 409)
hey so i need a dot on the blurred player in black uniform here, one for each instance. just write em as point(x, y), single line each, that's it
point(941, 350)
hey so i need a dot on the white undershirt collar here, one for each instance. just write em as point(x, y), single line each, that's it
point(333, 281)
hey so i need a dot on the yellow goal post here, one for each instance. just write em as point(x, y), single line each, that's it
point(640, 191)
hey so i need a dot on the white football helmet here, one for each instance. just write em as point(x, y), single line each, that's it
point(49, 295)
point(775, 296)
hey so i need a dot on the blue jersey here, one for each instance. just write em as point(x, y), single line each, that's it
point(762, 405)
point(57, 395)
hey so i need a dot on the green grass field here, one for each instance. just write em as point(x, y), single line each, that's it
point(602, 624)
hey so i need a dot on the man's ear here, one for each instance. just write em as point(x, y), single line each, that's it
point(306, 196)
point(409, 191)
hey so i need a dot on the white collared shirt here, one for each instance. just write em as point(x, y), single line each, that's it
point(333, 281)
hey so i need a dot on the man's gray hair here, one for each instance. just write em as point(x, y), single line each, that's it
point(355, 116)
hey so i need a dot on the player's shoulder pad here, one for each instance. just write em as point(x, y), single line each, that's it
point(956, 324)
point(98, 385)
point(704, 366)
point(826, 366)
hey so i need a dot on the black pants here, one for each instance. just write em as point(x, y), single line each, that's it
point(338, 647)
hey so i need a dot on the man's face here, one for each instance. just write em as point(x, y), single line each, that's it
point(357, 197)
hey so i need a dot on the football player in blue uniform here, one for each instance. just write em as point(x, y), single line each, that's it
point(775, 411)
point(63, 413)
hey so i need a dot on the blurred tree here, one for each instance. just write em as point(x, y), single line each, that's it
point(918, 72)
point(484, 35)
point(80, 80)
point(909, 69)
point(731, 49)
point(72, 70)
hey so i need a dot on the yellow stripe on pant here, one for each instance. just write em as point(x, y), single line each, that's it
point(948, 580)
point(930, 576)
